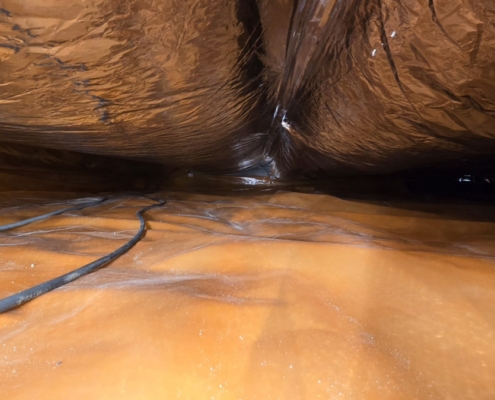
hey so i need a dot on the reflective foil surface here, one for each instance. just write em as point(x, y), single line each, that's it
point(308, 87)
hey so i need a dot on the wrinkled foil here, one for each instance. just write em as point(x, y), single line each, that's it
point(173, 82)
point(380, 86)
point(306, 86)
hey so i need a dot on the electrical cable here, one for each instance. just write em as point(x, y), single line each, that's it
point(27, 295)
point(48, 215)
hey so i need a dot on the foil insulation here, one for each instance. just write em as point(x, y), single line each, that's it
point(308, 87)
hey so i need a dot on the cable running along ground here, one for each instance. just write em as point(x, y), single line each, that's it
point(28, 221)
point(23, 297)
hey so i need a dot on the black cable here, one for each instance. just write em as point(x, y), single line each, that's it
point(51, 214)
point(23, 297)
